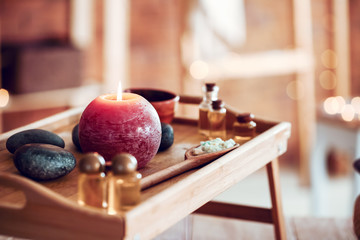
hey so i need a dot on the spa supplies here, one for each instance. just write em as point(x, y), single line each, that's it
point(124, 184)
point(217, 120)
point(244, 128)
point(214, 145)
point(210, 93)
point(92, 183)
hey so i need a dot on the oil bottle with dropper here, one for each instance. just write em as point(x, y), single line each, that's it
point(210, 93)
point(217, 120)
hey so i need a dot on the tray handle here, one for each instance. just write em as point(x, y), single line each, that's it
point(34, 192)
point(62, 218)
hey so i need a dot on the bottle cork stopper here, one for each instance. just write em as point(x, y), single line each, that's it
point(123, 163)
point(92, 163)
point(210, 86)
point(244, 117)
point(217, 104)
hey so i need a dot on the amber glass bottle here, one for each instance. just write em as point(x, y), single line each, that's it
point(210, 93)
point(125, 189)
point(217, 120)
point(244, 128)
point(92, 182)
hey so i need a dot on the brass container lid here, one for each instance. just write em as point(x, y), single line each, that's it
point(123, 163)
point(92, 163)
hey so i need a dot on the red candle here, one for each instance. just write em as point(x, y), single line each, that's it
point(109, 126)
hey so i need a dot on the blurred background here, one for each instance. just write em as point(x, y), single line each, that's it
point(284, 60)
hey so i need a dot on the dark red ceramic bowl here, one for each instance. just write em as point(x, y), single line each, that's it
point(163, 101)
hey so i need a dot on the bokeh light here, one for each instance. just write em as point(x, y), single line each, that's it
point(295, 90)
point(199, 70)
point(331, 106)
point(327, 80)
point(348, 112)
point(355, 102)
point(341, 101)
point(4, 97)
point(329, 59)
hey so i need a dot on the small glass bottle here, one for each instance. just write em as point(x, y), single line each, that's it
point(210, 93)
point(244, 128)
point(92, 183)
point(217, 120)
point(125, 188)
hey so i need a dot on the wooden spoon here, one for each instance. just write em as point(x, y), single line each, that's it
point(191, 161)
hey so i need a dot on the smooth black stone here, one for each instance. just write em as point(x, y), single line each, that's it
point(33, 136)
point(43, 161)
point(167, 137)
point(356, 165)
point(75, 137)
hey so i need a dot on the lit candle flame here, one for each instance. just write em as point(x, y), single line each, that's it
point(119, 92)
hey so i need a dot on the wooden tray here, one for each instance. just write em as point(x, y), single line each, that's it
point(49, 209)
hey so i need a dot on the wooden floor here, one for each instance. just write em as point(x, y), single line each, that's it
point(201, 227)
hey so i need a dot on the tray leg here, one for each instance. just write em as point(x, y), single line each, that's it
point(272, 169)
